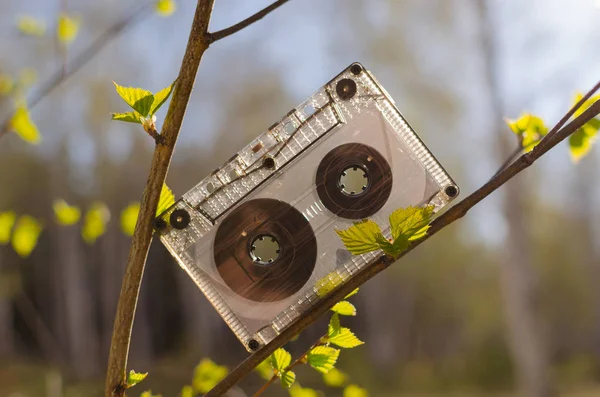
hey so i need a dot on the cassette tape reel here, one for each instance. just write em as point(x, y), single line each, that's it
point(258, 235)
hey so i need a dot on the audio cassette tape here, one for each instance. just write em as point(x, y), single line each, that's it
point(258, 235)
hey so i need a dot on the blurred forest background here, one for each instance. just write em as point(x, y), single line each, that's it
point(506, 299)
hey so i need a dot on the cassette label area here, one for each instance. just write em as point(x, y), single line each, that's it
point(258, 235)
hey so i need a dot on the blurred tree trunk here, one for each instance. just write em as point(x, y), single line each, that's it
point(517, 276)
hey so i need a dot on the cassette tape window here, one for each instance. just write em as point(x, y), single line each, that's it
point(258, 235)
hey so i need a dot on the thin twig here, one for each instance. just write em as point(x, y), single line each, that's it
point(511, 157)
point(142, 236)
point(60, 76)
point(453, 214)
point(221, 34)
point(298, 361)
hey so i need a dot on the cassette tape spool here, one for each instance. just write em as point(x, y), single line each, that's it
point(258, 235)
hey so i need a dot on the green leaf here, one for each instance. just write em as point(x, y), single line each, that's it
point(23, 126)
point(280, 359)
point(31, 26)
point(287, 378)
point(129, 217)
point(581, 142)
point(344, 308)
point(298, 391)
point(363, 237)
point(139, 99)
point(7, 221)
point(187, 391)
point(164, 8)
point(340, 336)
point(66, 214)
point(94, 222)
point(67, 28)
point(166, 200)
point(207, 374)
point(25, 235)
point(323, 358)
point(355, 391)
point(352, 293)
point(410, 223)
point(334, 325)
point(531, 129)
point(129, 117)
point(160, 98)
point(265, 370)
point(133, 378)
point(148, 393)
point(335, 378)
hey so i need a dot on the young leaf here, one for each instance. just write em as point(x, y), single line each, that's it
point(344, 308)
point(148, 393)
point(22, 125)
point(133, 378)
point(299, 391)
point(187, 391)
point(287, 378)
point(7, 221)
point(531, 129)
point(166, 199)
point(207, 374)
point(129, 117)
point(25, 235)
point(280, 359)
point(352, 293)
point(160, 98)
point(581, 142)
point(94, 222)
point(323, 358)
point(334, 326)
point(341, 336)
point(355, 391)
point(66, 214)
point(138, 99)
point(264, 369)
point(335, 378)
point(164, 8)
point(410, 223)
point(129, 218)
point(363, 237)
point(31, 26)
point(67, 28)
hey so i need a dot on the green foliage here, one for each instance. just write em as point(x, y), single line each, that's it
point(129, 218)
point(94, 223)
point(280, 359)
point(335, 378)
point(148, 393)
point(31, 26)
point(144, 105)
point(133, 378)
point(344, 308)
point(407, 224)
point(298, 391)
point(67, 28)
point(264, 369)
point(287, 378)
point(323, 358)
point(530, 129)
point(187, 391)
point(66, 214)
point(23, 126)
point(25, 235)
point(207, 374)
point(7, 221)
point(166, 200)
point(352, 293)
point(355, 391)
point(341, 336)
point(581, 142)
point(164, 8)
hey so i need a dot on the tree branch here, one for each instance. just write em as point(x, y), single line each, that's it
point(67, 70)
point(142, 236)
point(455, 213)
point(221, 34)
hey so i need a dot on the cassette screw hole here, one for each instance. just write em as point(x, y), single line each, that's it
point(253, 344)
point(354, 180)
point(265, 250)
point(180, 219)
point(451, 191)
point(345, 89)
point(159, 224)
point(269, 163)
point(356, 69)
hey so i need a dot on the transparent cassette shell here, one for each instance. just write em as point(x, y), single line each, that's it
point(281, 164)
